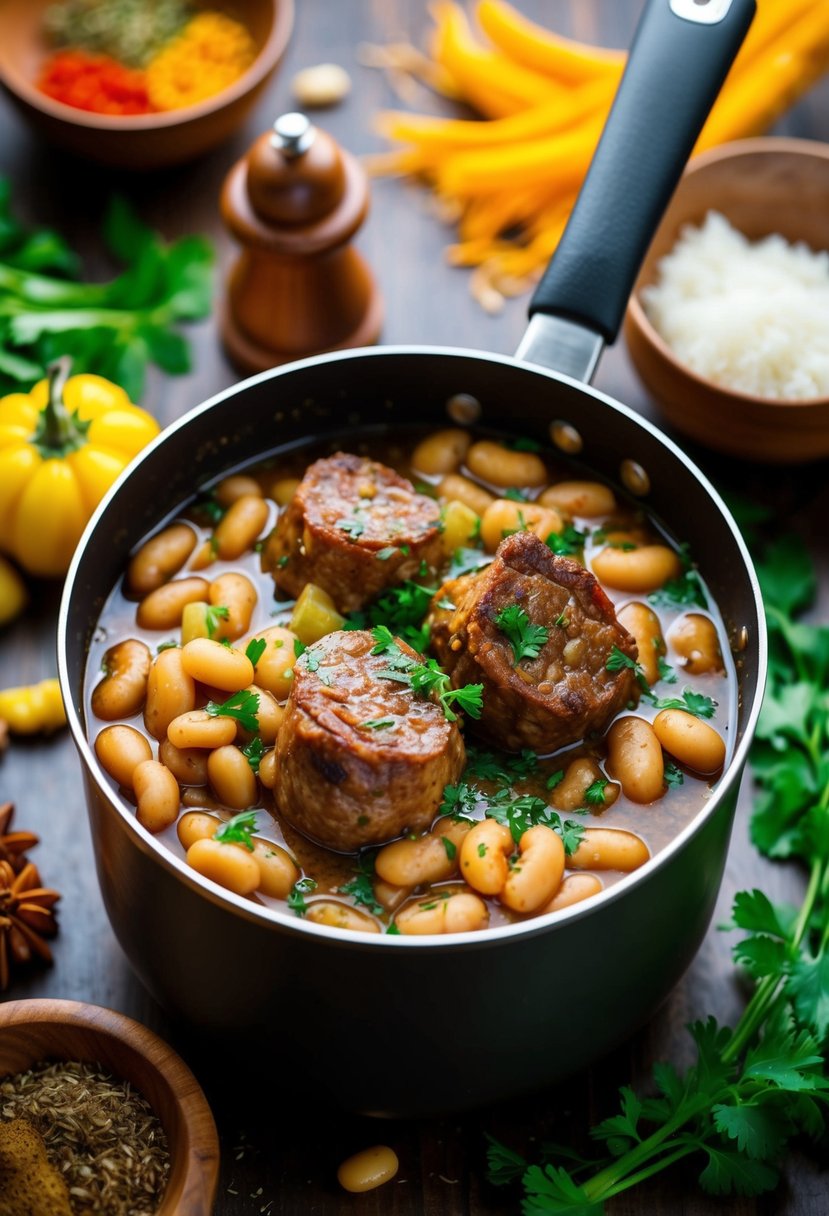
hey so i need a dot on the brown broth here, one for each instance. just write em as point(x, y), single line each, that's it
point(657, 823)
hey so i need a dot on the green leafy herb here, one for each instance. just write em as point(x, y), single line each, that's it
point(283, 561)
point(243, 706)
point(383, 555)
point(425, 679)
point(299, 648)
point(666, 672)
point(515, 495)
point(170, 644)
point(673, 776)
point(526, 639)
point(754, 1088)
point(255, 648)
point(460, 801)
point(466, 561)
point(401, 610)
point(361, 886)
point(377, 724)
point(691, 702)
point(213, 614)
point(113, 329)
point(562, 621)
point(209, 506)
point(527, 811)
point(555, 779)
point(594, 794)
point(682, 592)
point(618, 661)
point(296, 895)
point(568, 543)
point(238, 830)
point(253, 753)
point(500, 766)
point(450, 847)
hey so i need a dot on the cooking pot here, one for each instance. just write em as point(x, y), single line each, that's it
point(412, 1026)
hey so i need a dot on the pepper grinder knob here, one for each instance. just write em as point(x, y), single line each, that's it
point(294, 202)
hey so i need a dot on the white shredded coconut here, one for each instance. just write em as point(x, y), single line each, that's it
point(749, 316)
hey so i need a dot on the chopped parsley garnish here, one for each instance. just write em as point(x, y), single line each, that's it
point(170, 644)
point(691, 702)
point(683, 591)
point(377, 724)
point(242, 705)
point(499, 766)
point(296, 895)
point(450, 847)
point(525, 638)
point(666, 672)
point(210, 507)
point(594, 794)
point(515, 495)
point(425, 678)
point(255, 648)
point(214, 613)
point(361, 886)
point(562, 621)
point(460, 801)
point(238, 830)
point(618, 661)
point(673, 775)
point(282, 561)
point(253, 753)
point(383, 555)
point(527, 811)
point(567, 543)
point(299, 648)
point(555, 779)
point(401, 610)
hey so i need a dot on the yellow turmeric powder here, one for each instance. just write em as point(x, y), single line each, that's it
point(210, 53)
point(29, 1184)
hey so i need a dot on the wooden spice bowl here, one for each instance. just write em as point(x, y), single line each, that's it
point(32, 1031)
point(761, 186)
point(138, 141)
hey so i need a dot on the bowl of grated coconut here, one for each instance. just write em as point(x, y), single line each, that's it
point(98, 1115)
point(728, 323)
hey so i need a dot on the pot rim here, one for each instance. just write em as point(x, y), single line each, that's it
point(240, 906)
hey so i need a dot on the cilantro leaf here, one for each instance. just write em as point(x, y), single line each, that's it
point(253, 753)
point(594, 794)
point(361, 886)
point(690, 702)
point(617, 660)
point(730, 1173)
point(213, 614)
point(255, 649)
point(296, 896)
point(567, 543)
point(526, 639)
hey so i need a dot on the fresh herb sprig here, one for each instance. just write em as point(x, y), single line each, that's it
point(425, 679)
point(401, 610)
point(752, 1088)
point(238, 830)
point(526, 639)
point(113, 329)
point(243, 706)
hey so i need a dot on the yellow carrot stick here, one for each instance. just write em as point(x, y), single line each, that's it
point(441, 134)
point(538, 48)
point(487, 79)
point(751, 103)
point(560, 161)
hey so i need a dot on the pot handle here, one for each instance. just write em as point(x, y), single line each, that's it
point(680, 56)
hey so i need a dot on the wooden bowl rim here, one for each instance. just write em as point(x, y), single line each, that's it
point(200, 1142)
point(638, 318)
point(266, 60)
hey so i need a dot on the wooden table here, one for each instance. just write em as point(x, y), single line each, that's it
point(280, 1156)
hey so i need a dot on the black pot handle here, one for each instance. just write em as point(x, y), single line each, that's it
point(680, 56)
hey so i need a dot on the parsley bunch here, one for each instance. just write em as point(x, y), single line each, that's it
point(114, 329)
point(756, 1086)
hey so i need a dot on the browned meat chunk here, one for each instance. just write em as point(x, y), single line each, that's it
point(361, 758)
point(353, 527)
point(562, 690)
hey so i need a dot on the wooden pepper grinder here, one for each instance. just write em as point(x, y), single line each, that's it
point(298, 288)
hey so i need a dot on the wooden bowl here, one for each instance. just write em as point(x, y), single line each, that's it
point(36, 1030)
point(141, 141)
point(761, 186)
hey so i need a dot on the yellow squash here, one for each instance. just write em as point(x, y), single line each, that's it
point(61, 448)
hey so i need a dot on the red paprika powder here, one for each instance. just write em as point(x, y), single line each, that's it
point(94, 82)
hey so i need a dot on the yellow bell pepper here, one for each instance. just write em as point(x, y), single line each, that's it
point(61, 448)
point(12, 592)
point(33, 708)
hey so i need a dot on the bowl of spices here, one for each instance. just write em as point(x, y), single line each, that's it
point(135, 84)
point(728, 324)
point(98, 1114)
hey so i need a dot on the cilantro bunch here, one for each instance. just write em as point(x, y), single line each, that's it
point(755, 1086)
point(113, 329)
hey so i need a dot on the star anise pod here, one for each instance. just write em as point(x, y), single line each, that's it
point(14, 845)
point(26, 918)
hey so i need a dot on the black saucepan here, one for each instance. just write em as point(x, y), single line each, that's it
point(417, 1025)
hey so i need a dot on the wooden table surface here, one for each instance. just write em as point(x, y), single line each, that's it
point(279, 1155)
